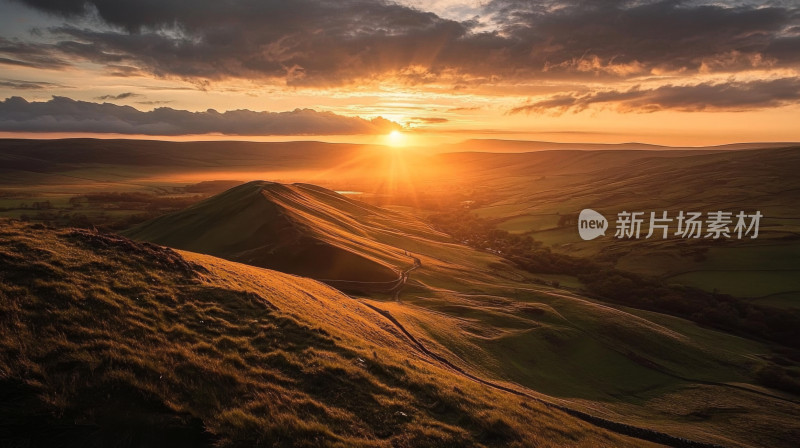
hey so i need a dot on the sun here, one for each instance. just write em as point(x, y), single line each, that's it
point(396, 139)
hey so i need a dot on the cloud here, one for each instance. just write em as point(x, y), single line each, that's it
point(429, 120)
point(725, 96)
point(33, 55)
point(327, 42)
point(122, 71)
point(121, 96)
point(464, 109)
point(620, 38)
point(62, 114)
point(303, 42)
point(18, 84)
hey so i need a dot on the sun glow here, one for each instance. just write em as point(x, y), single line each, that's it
point(396, 139)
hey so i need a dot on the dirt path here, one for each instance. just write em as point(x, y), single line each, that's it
point(391, 287)
point(613, 426)
point(404, 277)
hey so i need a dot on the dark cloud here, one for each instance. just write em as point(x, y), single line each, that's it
point(327, 42)
point(618, 37)
point(18, 84)
point(728, 96)
point(121, 96)
point(35, 55)
point(62, 114)
point(122, 71)
point(303, 42)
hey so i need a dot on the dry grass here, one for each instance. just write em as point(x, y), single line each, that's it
point(104, 341)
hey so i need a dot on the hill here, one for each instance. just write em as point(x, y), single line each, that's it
point(105, 341)
point(535, 192)
point(52, 168)
point(56, 167)
point(300, 229)
point(513, 146)
point(488, 319)
point(537, 332)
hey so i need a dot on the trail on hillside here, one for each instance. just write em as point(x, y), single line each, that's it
point(392, 287)
point(404, 277)
point(649, 435)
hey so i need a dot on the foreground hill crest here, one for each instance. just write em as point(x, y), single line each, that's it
point(109, 342)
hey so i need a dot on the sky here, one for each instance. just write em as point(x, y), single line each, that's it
point(664, 72)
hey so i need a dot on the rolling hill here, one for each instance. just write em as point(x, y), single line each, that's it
point(300, 229)
point(534, 191)
point(105, 341)
point(470, 308)
point(480, 315)
point(518, 146)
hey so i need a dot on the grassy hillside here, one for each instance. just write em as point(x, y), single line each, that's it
point(106, 341)
point(526, 192)
point(534, 192)
point(532, 332)
point(301, 229)
point(484, 316)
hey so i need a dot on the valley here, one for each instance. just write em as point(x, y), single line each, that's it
point(373, 272)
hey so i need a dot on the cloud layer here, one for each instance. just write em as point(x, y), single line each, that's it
point(19, 84)
point(568, 55)
point(727, 96)
point(62, 114)
point(335, 42)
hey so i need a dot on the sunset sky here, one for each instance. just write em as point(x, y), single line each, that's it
point(667, 72)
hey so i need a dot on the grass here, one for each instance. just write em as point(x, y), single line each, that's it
point(559, 183)
point(615, 361)
point(293, 228)
point(482, 315)
point(103, 337)
point(479, 312)
point(743, 283)
point(528, 223)
point(744, 270)
point(782, 300)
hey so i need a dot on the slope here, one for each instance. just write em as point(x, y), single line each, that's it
point(106, 341)
point(300, 229)
point(493, 321)
point(538, 193)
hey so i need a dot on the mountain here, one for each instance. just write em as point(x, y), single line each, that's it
point(301, 229)
point(108, 342)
